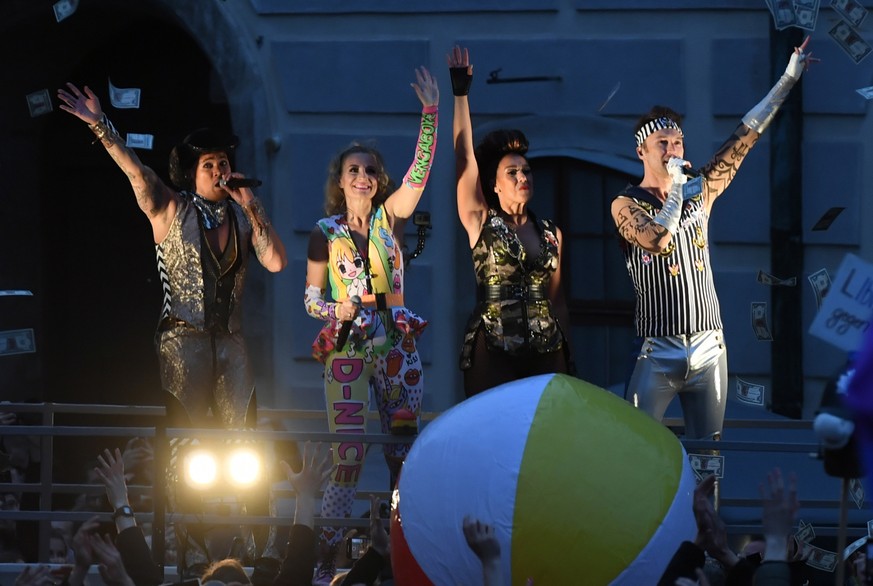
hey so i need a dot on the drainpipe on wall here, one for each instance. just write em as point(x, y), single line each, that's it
point(786, 234)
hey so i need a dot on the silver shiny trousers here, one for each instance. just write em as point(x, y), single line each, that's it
point(204, 370)
point(694, 366)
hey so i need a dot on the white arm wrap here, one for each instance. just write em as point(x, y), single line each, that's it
point(668, 217)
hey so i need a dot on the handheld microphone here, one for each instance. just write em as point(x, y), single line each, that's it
point(343, 335)
point(689, 172)
point(238, 182)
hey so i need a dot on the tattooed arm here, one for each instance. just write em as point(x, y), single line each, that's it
point(638, 227)
point(268, 247)
point(720, 171)
point(154, 198)
point(722, 168)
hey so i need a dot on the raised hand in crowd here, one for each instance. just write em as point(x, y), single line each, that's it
point(779, 513)
point(316, 469)
point(139, 457)
point(689, 559)
point(83, 551)
point(33, 575)
point(110, 470)
point(110, 565)
point(379, 539)
point(711, 530)
point(482, 540)
point(132, 547)
point(300, 558)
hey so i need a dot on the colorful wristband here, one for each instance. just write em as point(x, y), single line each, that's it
point(416, 176)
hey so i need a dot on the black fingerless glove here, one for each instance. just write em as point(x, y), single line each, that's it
point(461, 80)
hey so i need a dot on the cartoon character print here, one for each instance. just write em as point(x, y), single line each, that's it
point(408, 343)
point(396, 397)
point(352, 272)
point(412, 376)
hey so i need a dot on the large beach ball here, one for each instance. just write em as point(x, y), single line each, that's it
point(581, 488)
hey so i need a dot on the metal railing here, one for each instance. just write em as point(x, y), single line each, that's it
point(160, 435)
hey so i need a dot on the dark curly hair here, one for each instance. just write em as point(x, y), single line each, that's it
point(490, 151)
point(334, 199)
point(185, 155)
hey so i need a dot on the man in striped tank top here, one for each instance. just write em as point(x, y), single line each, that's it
point(663, 223)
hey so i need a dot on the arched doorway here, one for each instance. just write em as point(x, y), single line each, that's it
point(101, 295)
point(80, 242)
point(579, 164)
point(75, 235)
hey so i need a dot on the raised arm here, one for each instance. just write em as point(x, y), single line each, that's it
point(401, 204)
point(110, 470)
point(155, 199)
point(472, 207)
point(723, 166)
point(483, 541)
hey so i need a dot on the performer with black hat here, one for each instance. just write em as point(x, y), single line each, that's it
point(203, 230)
point(203, 359)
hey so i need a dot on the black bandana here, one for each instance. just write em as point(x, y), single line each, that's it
point(211, 212)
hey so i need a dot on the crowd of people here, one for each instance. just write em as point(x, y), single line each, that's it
point(121, 552)
point(207, 223)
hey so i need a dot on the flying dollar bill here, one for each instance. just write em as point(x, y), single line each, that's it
point(705, 465)
point(64, 9)
point(124, 97)
point(850, 41)
point(768, 279)
point(851, 10)
point(806, 13)
point(821, 284)
point(856, 489)
point(805, 532)
point(867, 92)
point(17, 342)
point(783, 13)
point(750, 393)
point(759, 321)
point(39, 103)
point(140, 141)
point(819, 558)
point(827, 218)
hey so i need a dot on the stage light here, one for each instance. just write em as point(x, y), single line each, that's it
point(243, 467)
point(211, 467)
point(200, 468)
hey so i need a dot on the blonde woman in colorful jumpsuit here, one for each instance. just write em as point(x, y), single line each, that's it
point(357, 251)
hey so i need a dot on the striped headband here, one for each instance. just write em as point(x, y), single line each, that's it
point(655, 125)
